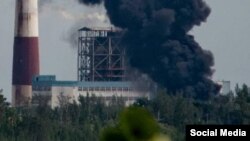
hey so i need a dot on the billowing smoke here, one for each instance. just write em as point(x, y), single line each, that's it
point(72, 14)
point(158, 42)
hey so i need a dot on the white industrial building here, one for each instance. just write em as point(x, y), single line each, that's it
point(48, 86)
point(225, 87)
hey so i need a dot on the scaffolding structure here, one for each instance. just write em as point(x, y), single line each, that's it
point(100, 55)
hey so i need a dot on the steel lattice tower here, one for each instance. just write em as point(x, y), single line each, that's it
point(100, 56)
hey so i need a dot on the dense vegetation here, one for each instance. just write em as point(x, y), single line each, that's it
point(85, 121)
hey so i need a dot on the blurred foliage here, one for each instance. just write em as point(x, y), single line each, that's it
point(135, 124)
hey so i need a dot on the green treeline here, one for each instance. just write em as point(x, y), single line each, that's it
point(86, 120)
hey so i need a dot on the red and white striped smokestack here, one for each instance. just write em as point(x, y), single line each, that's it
point(26, 51)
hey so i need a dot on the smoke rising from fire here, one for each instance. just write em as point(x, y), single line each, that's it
point(158, 42)
point(75, 15)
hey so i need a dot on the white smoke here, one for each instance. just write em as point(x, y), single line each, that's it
point(65, 9)
point(79, 15)
point(68, 15)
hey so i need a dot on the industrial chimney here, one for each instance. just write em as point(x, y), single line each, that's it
point(26, 52)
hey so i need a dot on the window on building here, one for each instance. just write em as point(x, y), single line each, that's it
point(130, 89)
point(97, 88)
point(79, 88)
point(125, 89)
point(102, 88)
point(84, 89)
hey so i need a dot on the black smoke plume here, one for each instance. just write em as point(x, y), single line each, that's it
point(158, 42)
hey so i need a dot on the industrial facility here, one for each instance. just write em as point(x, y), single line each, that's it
point(101, 64)
point(100, 55)
point(101, 72)
point(52, 90)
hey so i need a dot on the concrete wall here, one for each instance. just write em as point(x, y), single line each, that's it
point(61, 94)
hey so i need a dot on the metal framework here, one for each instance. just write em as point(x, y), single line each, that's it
point(100, 56)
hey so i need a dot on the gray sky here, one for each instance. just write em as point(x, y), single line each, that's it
point(226, 34)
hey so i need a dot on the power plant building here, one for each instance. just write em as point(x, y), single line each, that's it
point(101, 69)
point(48, 86)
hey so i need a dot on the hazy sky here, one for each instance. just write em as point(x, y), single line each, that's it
point(226, 33)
